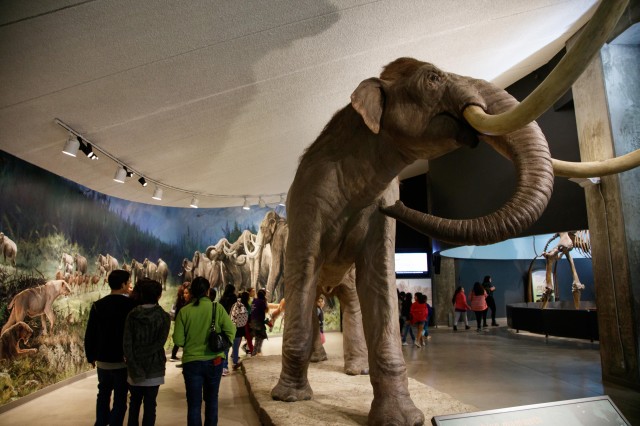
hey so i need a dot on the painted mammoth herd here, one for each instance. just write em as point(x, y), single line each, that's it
point(344, 197)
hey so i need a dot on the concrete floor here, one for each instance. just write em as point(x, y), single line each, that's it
point(491, 370)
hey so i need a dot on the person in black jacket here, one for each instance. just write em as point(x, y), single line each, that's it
point(103, 347)
point(227, 300)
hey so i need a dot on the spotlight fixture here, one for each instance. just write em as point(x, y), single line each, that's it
point(88, 150)
point(261, 203)
point(129, 172)
point(157, 194)
point(246, 206)
point(72, 145)
point(142, 181)
point(120, 175)
point(281, 202)
point(194, 203)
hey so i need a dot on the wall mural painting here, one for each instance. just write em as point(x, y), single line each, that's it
point(416, 285)
point(60, 240)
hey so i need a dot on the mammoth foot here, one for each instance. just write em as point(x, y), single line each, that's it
point(319, 355)
point(397, 411)
point(288, 393)
point(356, 370)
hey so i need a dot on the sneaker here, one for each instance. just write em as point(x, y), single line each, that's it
point(225, 371)
point(405, 344)
point(417, 344)
point(237, 366)
point(245, 348)
point(485, 325)
point(466, 327)
point(428, 337)
point(485, 329)
point(455, 328)
point(495, 324)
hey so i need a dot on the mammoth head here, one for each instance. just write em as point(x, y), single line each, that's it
point(419, 109)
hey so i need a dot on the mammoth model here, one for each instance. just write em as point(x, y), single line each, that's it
point(345, 193)
point(9, 249)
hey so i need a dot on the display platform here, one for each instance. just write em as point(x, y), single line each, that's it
point(596, 411)
point(338, 399)
point(560, 319)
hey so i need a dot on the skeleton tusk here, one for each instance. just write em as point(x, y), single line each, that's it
point(594, 34)
point(596, 168)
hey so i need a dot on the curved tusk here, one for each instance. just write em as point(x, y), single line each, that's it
point(593, 36)
point(596, 168)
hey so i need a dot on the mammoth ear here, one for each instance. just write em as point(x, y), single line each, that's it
point(367, 100)
point(272, 225)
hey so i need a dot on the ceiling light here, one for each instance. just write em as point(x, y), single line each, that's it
point(194, 203)
point(157, 194)
point(246, 206)
point(261, 203)
point(72, 145)
point(120, 175)
point(129, 172)
point(281, 202)
point(142, 181)
point(88, 150)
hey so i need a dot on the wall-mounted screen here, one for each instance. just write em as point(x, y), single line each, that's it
point(411, 263)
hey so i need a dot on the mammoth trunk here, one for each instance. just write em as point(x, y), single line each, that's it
point(528, 150)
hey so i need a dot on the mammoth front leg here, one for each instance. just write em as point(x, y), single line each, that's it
point(375, 281)
point(297, 342)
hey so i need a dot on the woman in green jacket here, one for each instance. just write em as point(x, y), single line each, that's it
point(201, 367)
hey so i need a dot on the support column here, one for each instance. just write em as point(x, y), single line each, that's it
point(608, 120)
point(444, 284)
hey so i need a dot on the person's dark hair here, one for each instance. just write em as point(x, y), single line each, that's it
point(148, 291)
point(478, 289)
point(262, 294)
point(117, 278)
point(244, 298)
point(408, 296)
point(198, 289)
point(229, 290)
point(487, 278)
point(458, 290)
point(422, 298)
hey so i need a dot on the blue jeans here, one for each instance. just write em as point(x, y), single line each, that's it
point(408, 329)
point(148, 394)
point(235, 349)
point(111, 381)
point(202, 381)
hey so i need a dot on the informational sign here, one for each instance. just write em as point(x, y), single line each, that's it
point(539, 284)
point(596, 411)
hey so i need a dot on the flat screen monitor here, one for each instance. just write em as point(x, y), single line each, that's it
point(412, 263)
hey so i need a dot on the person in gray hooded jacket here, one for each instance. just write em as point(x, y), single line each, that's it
point(146, 331)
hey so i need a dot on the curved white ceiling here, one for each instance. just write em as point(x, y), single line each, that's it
point(222, 97)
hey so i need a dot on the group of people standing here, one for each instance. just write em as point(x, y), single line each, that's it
point(480, 301)
point(127, 331)
point(415, 312)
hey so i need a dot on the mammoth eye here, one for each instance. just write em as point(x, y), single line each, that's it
point(433, 78)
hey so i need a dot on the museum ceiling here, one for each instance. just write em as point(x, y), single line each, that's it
point(221, 97)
